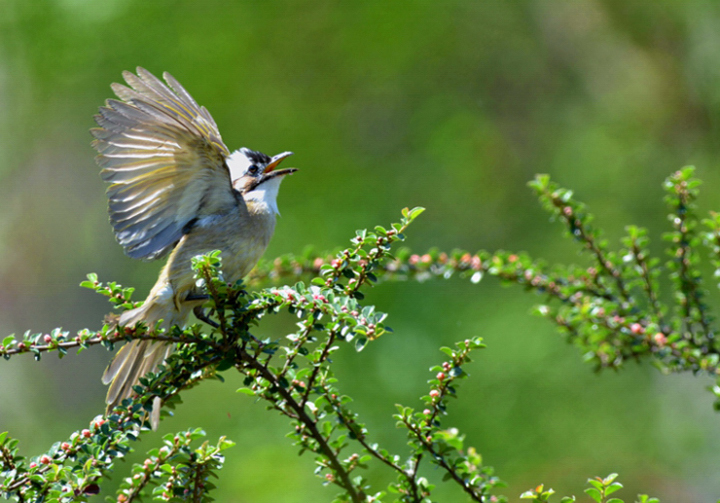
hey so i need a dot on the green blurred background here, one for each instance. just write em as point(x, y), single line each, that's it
point(451, 105)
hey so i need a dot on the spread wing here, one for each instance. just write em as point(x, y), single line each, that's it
point(165, 160)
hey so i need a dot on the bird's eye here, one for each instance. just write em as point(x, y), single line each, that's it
point(253, 170)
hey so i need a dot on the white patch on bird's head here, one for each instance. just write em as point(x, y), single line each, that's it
point(239, 161)
point(265, 195)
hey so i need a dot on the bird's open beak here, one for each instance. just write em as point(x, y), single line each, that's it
point(271, 172)
point(277, 160)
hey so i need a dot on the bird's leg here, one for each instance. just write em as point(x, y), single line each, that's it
point(199, 311)
point(197, 296)
point(200, 314)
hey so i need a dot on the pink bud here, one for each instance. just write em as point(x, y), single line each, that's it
point(434, 393)
point(660, 339)
point(427, 412)
point(441, 376)
point(65, 446)
point(637, 328)
point(33, 465)
point(86, 433)
point(47, 338)
point(45, 459)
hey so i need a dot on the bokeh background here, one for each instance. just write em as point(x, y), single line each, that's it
point(451, 105)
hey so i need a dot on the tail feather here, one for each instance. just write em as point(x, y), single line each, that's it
point(137, 358)
point(129, 362)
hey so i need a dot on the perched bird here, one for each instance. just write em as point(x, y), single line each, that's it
point(175, 188)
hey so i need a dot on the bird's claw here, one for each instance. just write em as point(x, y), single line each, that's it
point(200, 315)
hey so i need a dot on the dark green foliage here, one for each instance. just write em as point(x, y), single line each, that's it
point(612, 310)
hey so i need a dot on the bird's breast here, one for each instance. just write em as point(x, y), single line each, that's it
point(241, 237)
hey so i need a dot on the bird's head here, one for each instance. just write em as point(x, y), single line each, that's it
point(255, 175)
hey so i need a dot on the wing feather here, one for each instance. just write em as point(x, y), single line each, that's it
point(165, 161)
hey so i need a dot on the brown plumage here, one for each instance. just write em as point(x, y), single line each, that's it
point(176, 188)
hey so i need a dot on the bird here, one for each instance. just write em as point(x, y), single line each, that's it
point(176, 190)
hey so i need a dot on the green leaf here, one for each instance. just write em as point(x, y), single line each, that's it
point(610, 478)
point(594, 494)
point(612, 488)
point(599, 485)
point(415, 212)
point(360, 343)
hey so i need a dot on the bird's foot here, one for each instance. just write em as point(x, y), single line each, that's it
point(197, 296)
point(202, 316)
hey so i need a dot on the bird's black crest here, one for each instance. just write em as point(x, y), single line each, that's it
point(257, 157)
